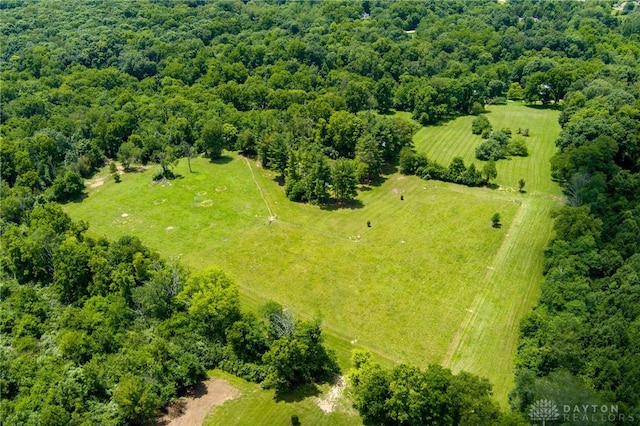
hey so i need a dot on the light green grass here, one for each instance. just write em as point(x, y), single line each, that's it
point(257, 406)
point(454, 138)
point(429, 282)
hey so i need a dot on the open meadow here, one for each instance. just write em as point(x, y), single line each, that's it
point(454, 138)
point(325, 405)
point(429, 282)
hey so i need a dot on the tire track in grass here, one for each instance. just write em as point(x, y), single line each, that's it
point(272, 215)
point(486, 287)
point(507, 292)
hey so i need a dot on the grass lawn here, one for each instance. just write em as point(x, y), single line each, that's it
point(454, 138)
point(429, 282)
point(257, 406)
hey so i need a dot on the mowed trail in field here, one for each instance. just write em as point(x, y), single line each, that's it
point(416, 287)
point(486, 340)
point(509, 288)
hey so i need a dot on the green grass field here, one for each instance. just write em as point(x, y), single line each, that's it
point(454, 138)
point(429, 282)
point(257, 406)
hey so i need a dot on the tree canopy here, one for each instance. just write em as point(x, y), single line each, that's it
point(105, 332)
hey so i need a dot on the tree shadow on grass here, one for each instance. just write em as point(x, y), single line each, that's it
point(136, 169)
point(542, 106)
point(298, 394)
point(224, 159)
point(332, 205)
point(79, 198)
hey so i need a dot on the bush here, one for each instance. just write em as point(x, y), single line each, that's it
point(480, 124)
point(476, 108)
point(433, 171)
point(294, 189)
point(517, 148)
point(495, 220)
point(410, 162)
point(164, 174)
point(66, 187)
point(491, 149)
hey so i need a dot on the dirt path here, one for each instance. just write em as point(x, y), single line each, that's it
point(192, 410)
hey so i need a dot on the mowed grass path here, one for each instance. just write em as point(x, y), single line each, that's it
point(511, 285)
point(454, 138)
point(400, 287)
point(429, 282)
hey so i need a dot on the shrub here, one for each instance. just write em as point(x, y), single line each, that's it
point(476, 108)
point(495, 220)
point(498, 100)
point(518, 148)
point(164, 174)
point(410, 162)
point(491, 149)
point(479, 124)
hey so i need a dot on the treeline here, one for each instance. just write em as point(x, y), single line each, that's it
point(158, 81)
point(406, 395)
point(581, 344)
point(412, 163)
point(108, 332)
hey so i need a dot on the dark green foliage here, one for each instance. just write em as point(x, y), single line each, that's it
point(89, 81)
point(66, 187)
point(495, 220)
point(308, 176)
point(369, 158)
point(299, 358)
point(410, 162)
point(457, 172)
point(517, 148)
point(406, 395)
point(117, 332)
point(344, 179)
point(489, 171)
point(496, 147)
point(479, 124)
point(580, 343)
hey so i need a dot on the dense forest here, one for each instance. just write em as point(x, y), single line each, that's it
point(107, 332)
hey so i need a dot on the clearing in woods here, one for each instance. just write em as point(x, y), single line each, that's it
point(429, 282)
point(258, 406)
